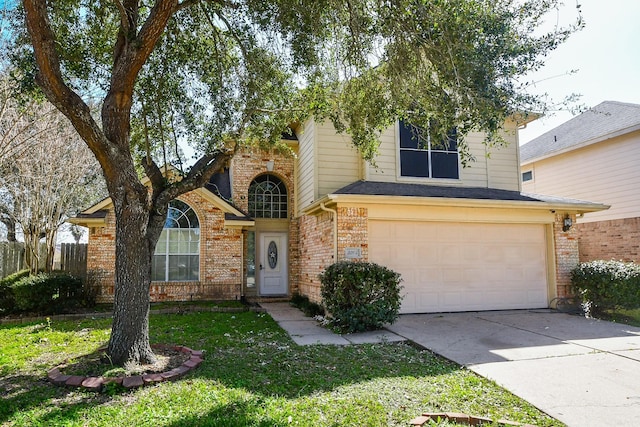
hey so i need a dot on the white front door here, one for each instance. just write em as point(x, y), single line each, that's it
point(273, 263)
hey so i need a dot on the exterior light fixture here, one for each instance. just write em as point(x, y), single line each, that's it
point(566, 223)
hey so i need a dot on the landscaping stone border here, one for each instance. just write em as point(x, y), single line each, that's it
point(463, 419)
point(97, 383)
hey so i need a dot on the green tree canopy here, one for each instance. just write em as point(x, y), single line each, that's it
point(245, 70)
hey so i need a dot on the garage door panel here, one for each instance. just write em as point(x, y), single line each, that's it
point(462, 267)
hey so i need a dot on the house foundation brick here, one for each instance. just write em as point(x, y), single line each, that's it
point(614, 239)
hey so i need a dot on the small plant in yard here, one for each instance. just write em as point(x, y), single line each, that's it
point(309, 308)
point(360, 296)
point(607, 285)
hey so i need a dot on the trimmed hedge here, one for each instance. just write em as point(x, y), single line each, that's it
point(7, 300)
point(309, 308)
point(360, 296)
point(48, 293)
point(607, 285)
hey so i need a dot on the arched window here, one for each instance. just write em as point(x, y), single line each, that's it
point(267, 197)
point(177, 255)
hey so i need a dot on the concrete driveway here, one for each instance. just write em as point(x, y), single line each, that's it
point(581, 371)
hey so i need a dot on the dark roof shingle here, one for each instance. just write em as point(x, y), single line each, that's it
point(606, 118)
point(420, 190)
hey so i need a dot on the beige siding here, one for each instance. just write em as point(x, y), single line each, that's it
point(306, 166)
point(338, 162)
point(607, 172)
point(384, 167)
point(503, 164)
point(475, 173)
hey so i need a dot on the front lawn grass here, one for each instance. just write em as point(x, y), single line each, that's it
point(253, 375)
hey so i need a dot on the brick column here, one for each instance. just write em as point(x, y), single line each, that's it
point(567, 254)
point(315, 252)
point(353, 231)
point(101, 259)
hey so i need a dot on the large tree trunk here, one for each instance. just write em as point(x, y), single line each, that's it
point(135, 244)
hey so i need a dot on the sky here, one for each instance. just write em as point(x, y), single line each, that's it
point(606, 55)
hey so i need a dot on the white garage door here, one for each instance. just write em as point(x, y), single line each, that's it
point(463, 266)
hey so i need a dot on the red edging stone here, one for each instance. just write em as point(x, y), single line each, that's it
point(97, 383)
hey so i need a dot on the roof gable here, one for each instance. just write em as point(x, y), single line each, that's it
point(604, 121)
point(210, 192)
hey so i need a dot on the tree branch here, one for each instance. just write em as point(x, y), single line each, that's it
point(50, 79)
point(149, 35)
point(124, 18)
point(199, 174)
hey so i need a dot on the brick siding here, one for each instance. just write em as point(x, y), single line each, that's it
point(315, 252)
point(353, 231)
point(101, 259)
point(614, 239)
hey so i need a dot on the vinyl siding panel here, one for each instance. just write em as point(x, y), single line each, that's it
point(338, 162)
point(503, 164)
point(385, 162)
point(606, 172)
point(306, 182)
point(475, 173)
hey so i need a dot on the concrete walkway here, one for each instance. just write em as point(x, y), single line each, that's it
point(306, 331)
point(581, 371)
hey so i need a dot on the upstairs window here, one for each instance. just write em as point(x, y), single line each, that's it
point(527, 176)
point(177, 254)
point(423, 156)
point(267, 197)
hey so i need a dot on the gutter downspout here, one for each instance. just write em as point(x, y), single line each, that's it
point(334, 215)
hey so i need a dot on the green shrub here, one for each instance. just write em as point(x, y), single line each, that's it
point(7, 300)
point(607, 285)
point(309, 308)
point(360, 296)
point(48, 293)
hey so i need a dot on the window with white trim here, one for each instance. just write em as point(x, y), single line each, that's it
point(177, 254)
point(268, 197)
point(423, 156)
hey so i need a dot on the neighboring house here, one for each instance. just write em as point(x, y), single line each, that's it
point(462, 238)
point(594, 156)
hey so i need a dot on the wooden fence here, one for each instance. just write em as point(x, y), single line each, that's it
point(11, 258)
point(72, 258)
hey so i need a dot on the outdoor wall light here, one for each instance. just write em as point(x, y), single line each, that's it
point(567, 223)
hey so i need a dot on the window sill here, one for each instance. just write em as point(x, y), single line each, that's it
point(417, 180)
